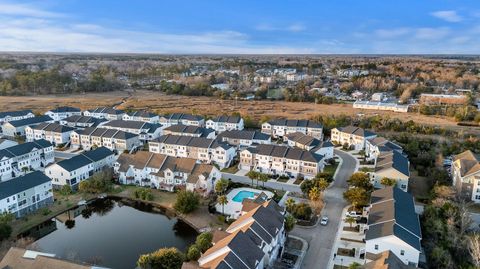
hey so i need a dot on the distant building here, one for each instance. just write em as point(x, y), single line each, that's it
point(79, 168)
point(243, 138)
point(393, 226)
point(115, 140)
point(63, 112)
point(378, 97)
point(142, 115)
point(225, 123)
point(442, 99)
point(82, 121)
point(25, 194)
point(281, 127)
point(186, 130)
point(145, 130)
point(17, 127)
point(351, 136)
point(107, 113)
point(7, 116)
point(181, 118)
point(383, 106)
point(466, 174)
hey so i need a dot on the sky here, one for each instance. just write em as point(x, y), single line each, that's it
point(242, 26)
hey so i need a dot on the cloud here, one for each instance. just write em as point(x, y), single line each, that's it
point(25, 10)
point(295, 27)
point(432, 33)
point(447, 15)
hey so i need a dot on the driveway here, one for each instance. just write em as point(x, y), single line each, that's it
point(64, 155)
point(322, 238)
point(270, 184)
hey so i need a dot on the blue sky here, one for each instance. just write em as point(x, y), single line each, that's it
point(247, 26)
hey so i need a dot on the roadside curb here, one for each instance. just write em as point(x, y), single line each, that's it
point(340, 226)
point(305, 246)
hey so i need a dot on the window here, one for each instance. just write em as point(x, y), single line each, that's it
point(376, 247)
point(402, 252)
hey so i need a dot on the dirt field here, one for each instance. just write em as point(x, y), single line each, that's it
point(162, 104)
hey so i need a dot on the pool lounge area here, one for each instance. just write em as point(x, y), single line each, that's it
point(235, 198)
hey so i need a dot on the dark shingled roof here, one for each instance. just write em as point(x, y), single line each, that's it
point(295, 123)
point(356, 131)
point(198, 142)
point(392, 212)
point(228, 119)
point(290, 153)
point(63, 109)
point(393, 159)
point(385, 260)
point(182, 116)
point(53, 127)
point(30, 121)
point(83, 119)
point(22, 183)
point(24, 148)
point(187, 129)
point(17, 113)
point(85, 158)
point(142, 114)
point(244, 135)
point(106, 110)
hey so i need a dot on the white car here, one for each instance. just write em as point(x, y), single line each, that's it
point(353, 214)
point(324, 221)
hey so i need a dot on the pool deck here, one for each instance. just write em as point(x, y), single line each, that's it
point(233, 208)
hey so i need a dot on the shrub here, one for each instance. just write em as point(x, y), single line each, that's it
point(143, 194)
point(302, 211)
point(204, 241)
point(164, 258)
point(5, 231)
point(193, 253)
point(186, 202)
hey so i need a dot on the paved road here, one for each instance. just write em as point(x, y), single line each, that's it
point(64, 155)
point(321, 238)
point(270, 184)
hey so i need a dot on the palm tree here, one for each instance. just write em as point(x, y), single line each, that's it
point(322, 184)
point(222, 199)
point(263, 178)
point(314, 194)
point(386, 182)
point(252, 175)
point(221, 186)
point(350, 220)
point(289, 204)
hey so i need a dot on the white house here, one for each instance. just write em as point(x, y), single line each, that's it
point(115, 140)
point(383, 106)
point(254, 241)
point(281, 160)
point(393, 225)
point(107, 113)
point(78, 168)
point(17, 160)
point(142, 115)
point(7, 116)
point(17, 127)
point(63, 112)
point(310, 143)
point(393, 165)
point(225, 123)
point(354, 137)
point(465, 175)
point(243, 138)
point(25, 194)
point(280, 128)
point(164, 172)
point(146, 131)
point(81, 121)
point(203, 149)
point(375, 146)
point(181, 118)
point(189, 130)
point(53, 132)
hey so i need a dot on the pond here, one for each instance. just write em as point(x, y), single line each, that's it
point(111, 233)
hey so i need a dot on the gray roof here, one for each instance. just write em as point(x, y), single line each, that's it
point(356, 131)
point(63, 109)
point(303, 139)
point(295, 123)
point(199, 142)
point(17, 113)
point(393, 159)
point(53, 127)
point(142, 114)
point(383, 143)
point(83, 119)
point(106, 110)
point(245, 249)
point(289, 153)
point(244, 134)
point(227, 119)
point(182, 116)
point(11, 187)
point(187, 129)
point(392, 212)
point(85, 159)
point(21, 149)
point(30, 121)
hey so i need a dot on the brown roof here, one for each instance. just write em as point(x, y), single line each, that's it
point(14, 259)
point(219, 235)
point(385, 260)
point(137, 160)
point(190, 265)
point(184, 165)
point(469, 162)
point(198, 170)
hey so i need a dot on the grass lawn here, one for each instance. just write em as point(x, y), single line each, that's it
point(232, 169)
point(331, 168)
point(281, 179)
point(298, 181)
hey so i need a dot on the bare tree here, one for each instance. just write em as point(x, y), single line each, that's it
point(474, 248)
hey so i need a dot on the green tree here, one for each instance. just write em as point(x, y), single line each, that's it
point(252, 175)
point(66, 190)
point(314, 194)
point(193, 253)
point(221, 186)
point(263, 178)
point(322, 184)
point(289, 204)
point(350, 220)
point(356, 197)
point(5, 231)
point(222, 200)
point(164, 258)
point(289, 223)
point(302, 211)
point(354, 265)
point(204, 241)
point(186, 201)
point(386, 182)
point(361, 180)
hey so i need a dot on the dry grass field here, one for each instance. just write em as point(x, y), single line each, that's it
point(161, 103)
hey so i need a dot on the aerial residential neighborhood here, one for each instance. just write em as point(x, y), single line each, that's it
point(239, 134)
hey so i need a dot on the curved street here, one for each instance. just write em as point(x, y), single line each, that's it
point(321, 238)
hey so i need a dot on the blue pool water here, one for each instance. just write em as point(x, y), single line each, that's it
point(242, 195)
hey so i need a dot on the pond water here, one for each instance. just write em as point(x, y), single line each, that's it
point(111, 233)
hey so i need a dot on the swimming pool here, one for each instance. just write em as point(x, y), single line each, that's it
point(242, 195)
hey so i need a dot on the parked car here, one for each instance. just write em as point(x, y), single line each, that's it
point(324, 221)
point(354, 214)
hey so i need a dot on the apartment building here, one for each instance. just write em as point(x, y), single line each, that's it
point(164, 172)
point(393, 165)
point(78, 168)
point(107, 113)
point(243, 138)
point(354, 137)
point(254, 241)
point(280, 128)
point(181, 118)
point(17, 127)
point(199, 148)
point(60, 113)
point(141, 115)
point(146, 131)
point(189, 130)
point(393, 226)
point(115, 140)
point(281, 160)
point(81, 121)
point(17, 160)
point(466, 175)
point(7, 116)
point(382, 106)
point(6, 143)
point(310, 143)
point(53, 132)
point(225, 123)
point(375, 146)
